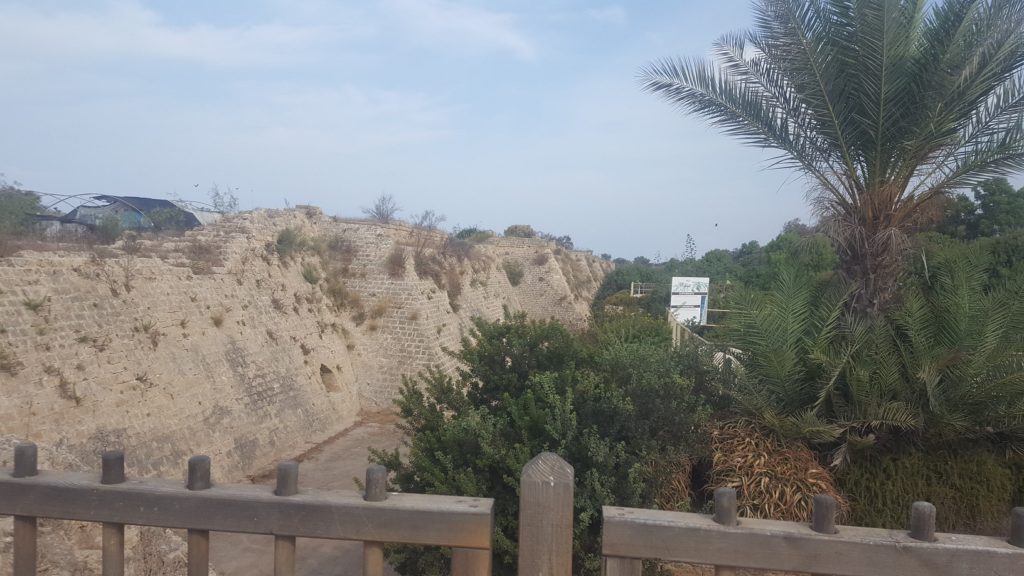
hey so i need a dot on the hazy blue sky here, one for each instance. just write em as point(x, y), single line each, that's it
point(491, 113)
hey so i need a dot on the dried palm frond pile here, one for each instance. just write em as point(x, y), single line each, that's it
point(672, 481)
point(773, 480)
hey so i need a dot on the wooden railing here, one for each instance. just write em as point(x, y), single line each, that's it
point(466, 525)
point(727, 542)
point(200, 507)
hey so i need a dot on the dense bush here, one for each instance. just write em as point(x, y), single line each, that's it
point(16, 209)
point(290, 242)
point(311, 274)
point(610, 401)
point(520, 231)
point(513, 271)
point(972, 486)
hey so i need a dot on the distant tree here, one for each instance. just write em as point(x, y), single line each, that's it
point(384, 209)
point(642, 261)
point(428, 220)
point(960, 218)
point(225, 201)
point(606, 256)
point(795, 226)
point(995, 209)
point(16, 208)
point(520, 231)
point(1000, 207)
point(690, 249)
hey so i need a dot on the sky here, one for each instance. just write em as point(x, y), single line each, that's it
point(491, 113)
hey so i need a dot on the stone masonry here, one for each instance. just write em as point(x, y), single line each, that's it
point(211, 343)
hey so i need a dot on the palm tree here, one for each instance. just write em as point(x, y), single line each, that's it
point(885, 106)
point(945, 363)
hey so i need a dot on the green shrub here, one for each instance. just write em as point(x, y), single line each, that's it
point(973, 487)
point(513, 271)
point(474, 235)
point(311, 274)
point(520, 231)
point(290, 242)
point(16, 209)
point(611, 402)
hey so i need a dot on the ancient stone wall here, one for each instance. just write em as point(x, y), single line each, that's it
point(214, 343)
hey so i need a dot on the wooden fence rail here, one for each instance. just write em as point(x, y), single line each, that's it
point(376, 517)
point(727, 542)
point(200, 507)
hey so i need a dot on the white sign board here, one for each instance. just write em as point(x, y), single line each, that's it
point(689, 299)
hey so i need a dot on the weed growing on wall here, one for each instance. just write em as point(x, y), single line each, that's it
point(513, 271)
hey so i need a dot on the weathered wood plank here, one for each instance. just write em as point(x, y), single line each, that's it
point(545, 517)
point(198, 553)
point(284, 556)
point(467, 562)
point(113, 549)
point(373, 559)
point(403, 518)
point(25, 533)
point(623, 566)
point(793, 547)
point(284, 546)
point(376, 486)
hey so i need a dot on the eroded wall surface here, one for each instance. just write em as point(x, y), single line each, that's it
point(213, 343)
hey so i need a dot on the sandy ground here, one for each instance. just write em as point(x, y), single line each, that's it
point(332, 465)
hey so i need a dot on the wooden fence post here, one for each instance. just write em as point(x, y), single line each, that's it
point(622, 566)
point(113, 534)
point(1017, 527)
point(284, 546)
point(922, 521)
point(376, 491)
point(26, 465)
point(545, 517)
point(470, 562)
point(198, 540)
point(726, 514)
point(823, 516)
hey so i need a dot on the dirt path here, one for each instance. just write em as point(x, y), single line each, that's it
point(331, 465)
